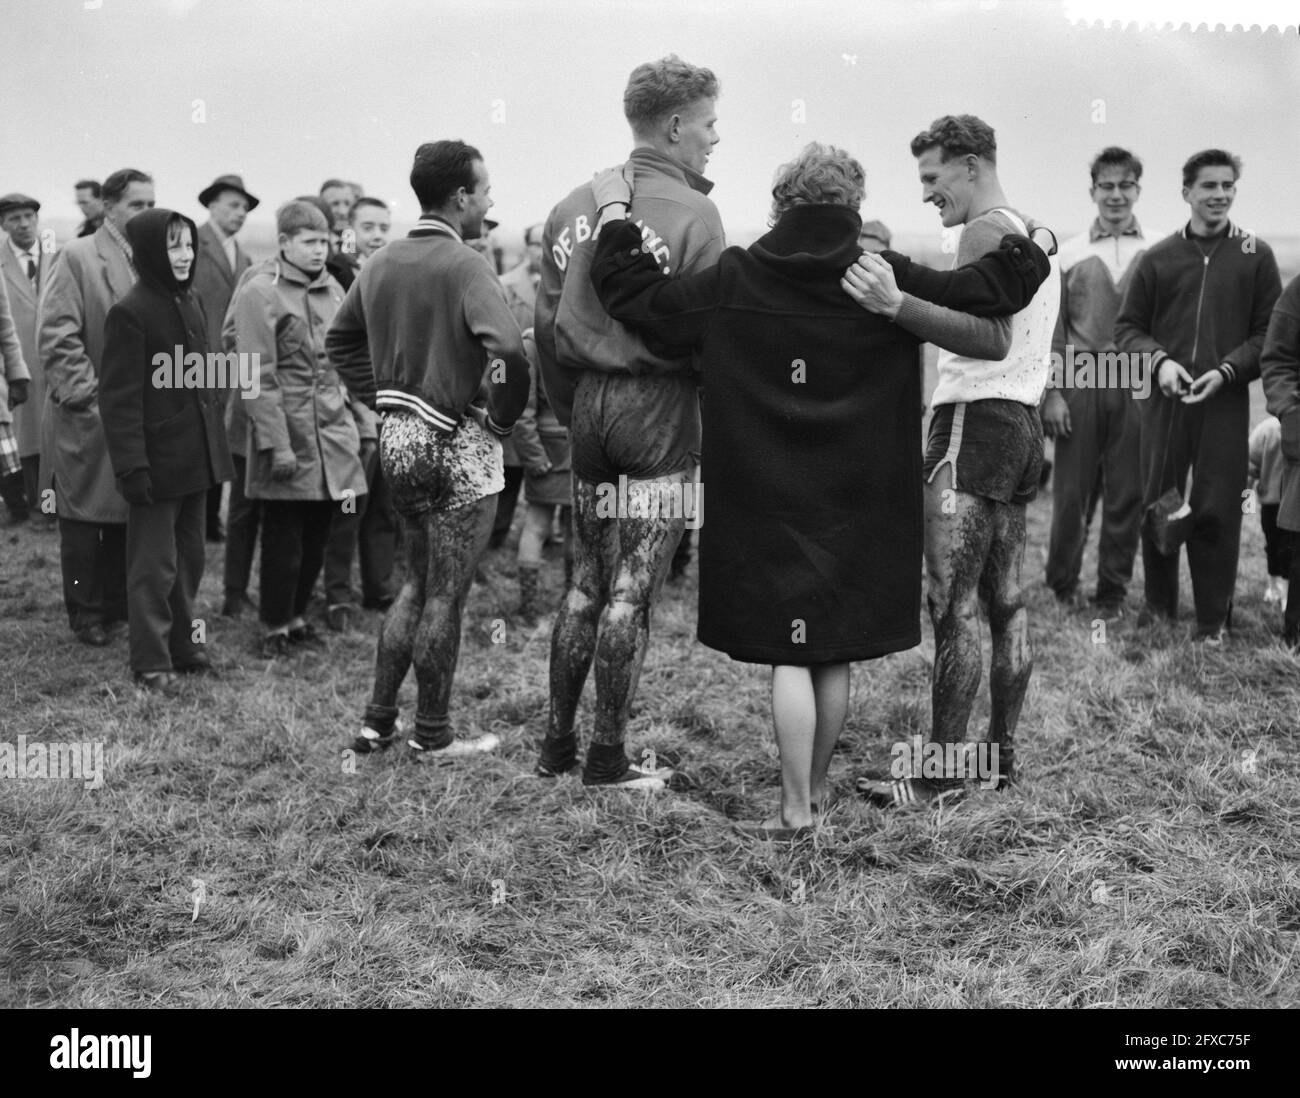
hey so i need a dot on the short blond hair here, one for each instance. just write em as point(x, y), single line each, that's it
point(820, 175)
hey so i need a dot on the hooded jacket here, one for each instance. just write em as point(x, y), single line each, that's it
point(160, 409)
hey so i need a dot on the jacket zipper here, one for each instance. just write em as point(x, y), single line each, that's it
point(1200, 299)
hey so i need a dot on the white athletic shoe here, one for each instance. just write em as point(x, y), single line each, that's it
point(471, 745)
point(637, 778)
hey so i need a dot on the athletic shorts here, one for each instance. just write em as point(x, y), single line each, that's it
point(995, 448)
point(639, 427)
point(430, 470)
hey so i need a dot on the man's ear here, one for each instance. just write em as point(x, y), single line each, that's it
point(674, 128)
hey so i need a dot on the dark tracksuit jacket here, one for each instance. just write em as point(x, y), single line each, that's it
point(1205, 303)
point(573, 333)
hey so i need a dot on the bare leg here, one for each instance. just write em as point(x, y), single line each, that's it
point(794, 714)
point(830, 684)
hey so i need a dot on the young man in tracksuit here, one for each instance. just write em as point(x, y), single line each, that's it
point(1199, 306)
point(1096, 426)
point(431, 316)
point(632, 413)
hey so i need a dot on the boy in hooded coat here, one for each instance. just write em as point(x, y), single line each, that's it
point(166, 442)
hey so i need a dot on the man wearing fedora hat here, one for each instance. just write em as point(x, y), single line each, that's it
point(220, 263)
point(24, 265)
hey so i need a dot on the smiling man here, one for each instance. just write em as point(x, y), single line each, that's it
point(982, 459)
point(1096, 429)
point(632, 413)
point(1199, 305)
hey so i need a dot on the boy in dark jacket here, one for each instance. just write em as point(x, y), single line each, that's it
point(162, 423)
point(1198, 305)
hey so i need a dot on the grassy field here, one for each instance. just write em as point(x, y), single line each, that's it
point(230, 858)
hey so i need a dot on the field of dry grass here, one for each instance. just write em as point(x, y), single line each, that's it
point(230, 858)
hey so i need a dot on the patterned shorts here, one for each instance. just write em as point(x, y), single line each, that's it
point(9, 459)
point(428, 470)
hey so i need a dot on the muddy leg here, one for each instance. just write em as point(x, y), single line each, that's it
point(573, 638)
point(958, 534)
point(1012, 661)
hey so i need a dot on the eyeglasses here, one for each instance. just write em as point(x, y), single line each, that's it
point(1127, 187)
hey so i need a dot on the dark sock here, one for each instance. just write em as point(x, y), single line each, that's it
point(606, 762)
point(381, 718)
point(559, 754)
point(433, 733)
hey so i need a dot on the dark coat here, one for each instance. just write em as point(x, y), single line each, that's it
point(811, 552)
point(213, 281)
point(176, 433)
point(1280, 368)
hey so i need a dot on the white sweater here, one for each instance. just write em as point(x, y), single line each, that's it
point(1022, 375)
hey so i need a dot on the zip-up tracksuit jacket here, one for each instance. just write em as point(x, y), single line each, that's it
point(425, 328)
point(679, 226)
point(1205, 303)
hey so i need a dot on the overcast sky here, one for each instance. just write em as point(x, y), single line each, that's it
point(288, 92)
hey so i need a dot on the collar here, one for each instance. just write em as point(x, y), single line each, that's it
point(666, 165)
point(1098, 233)
point(432, 223)
point(221, 235)
point(1233, 230)
point(24, 253)
point(290, 273)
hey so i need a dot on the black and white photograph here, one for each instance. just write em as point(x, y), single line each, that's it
point(579, 504)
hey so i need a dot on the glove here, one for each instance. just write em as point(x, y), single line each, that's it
point(17, 393)
point(612, 187)
point(283, 466)
point(137, 487)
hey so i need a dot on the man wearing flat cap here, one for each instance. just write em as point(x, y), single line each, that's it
point(24, 265)
point(219, 264)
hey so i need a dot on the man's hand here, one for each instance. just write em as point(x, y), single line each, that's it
point(18, 393)
point(137, 488)
point(870, 282)
point(1042, 236)
point(612, 187)
point(539, 470)
point(1172, 378)
point(1205, 387)
point(1055, 414)
point(283, 466)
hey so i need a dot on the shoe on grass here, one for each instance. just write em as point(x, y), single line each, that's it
point(274, 646)
point(166, 683)
point(305, 635)
point(634, 778)
point(200, 663)
point(783, 835)
point(903, 792)
point(370, 742)
point(93, 635)
point(458, 748)
point(339, 618)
